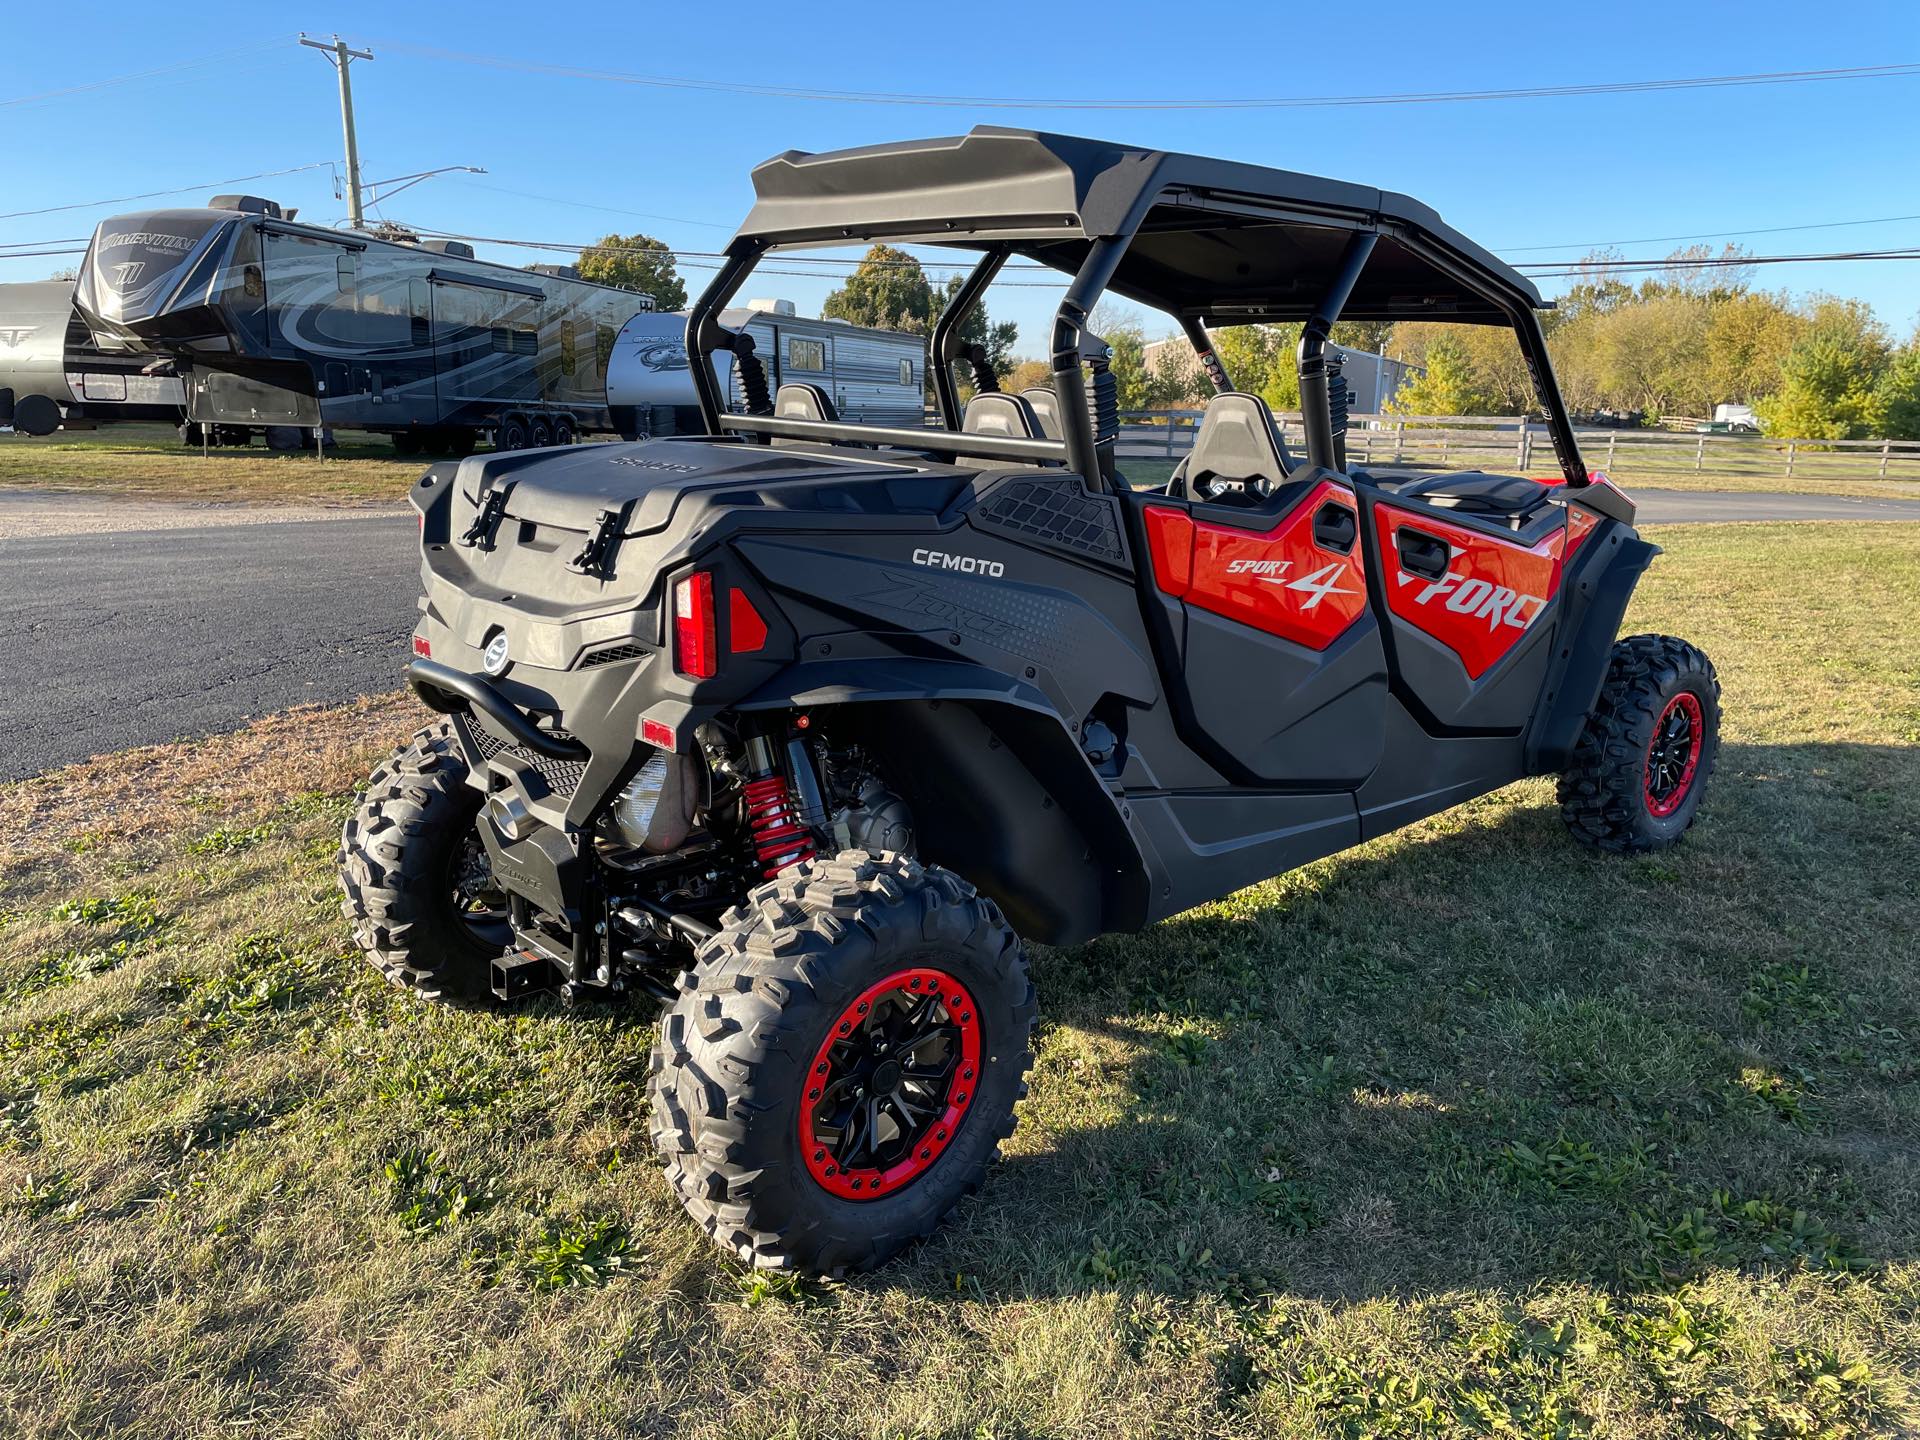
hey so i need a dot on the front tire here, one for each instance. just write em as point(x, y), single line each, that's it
point(801, 1122)
point(413, 873)
point(1641, 766)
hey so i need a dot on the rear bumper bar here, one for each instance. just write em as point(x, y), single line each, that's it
point(441, 687)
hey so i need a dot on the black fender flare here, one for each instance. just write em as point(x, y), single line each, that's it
point(1000, 789)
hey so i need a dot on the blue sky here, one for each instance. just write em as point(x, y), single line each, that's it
point(1512, 174)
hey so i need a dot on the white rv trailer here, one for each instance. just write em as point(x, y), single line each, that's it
point(51, 372)
point(874, 377)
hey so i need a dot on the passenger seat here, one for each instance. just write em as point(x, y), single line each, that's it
point(798, 401)
point(1238, 457)
point(997, 413)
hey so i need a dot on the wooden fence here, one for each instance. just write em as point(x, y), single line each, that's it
point(1510, 443)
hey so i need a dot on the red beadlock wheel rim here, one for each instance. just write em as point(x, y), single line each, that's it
point(891, 1084)
point(1673, 755)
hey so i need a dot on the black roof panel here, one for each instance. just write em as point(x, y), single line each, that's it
point(1217, 239)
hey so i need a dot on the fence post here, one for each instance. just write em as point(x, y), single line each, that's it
point(1169, 434)
point(1885, 446)
point(1399, 439)
point(1790, 450)
point(1612, 436)
point(1699, 453)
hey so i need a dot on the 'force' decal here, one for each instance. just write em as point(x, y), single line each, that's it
point(1280, 580)
point(1492, 592)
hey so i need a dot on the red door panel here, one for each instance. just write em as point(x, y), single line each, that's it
point(1281, 580)
point(1491, 593)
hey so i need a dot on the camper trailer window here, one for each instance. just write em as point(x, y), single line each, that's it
point(605, 335)
point(517, 340)
point(345, 270)
point(806, 354)
point(906, 372)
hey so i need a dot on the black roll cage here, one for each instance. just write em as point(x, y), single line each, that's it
point(1079, 448)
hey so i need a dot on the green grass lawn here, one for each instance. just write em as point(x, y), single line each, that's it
point(1466, 1132)
point(150, 462)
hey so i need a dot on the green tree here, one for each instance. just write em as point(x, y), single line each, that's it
point(1445, 387)
point(999, 339)
point(1831, 378)
point(887, 291)
point(1748, 337)
point(1897, 397)
point(636, 262)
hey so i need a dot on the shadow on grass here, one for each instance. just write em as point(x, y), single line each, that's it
point(1488, 1057)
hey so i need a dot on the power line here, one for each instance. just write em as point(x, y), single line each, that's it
point(609, 209)
point(177, 190)
point(1611, 267)
point(92, 85)
point(1290, 102)
point(1592, 245)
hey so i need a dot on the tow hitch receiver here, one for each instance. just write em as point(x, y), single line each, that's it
point(520, 973)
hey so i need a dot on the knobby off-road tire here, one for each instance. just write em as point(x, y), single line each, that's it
point(415, 890)
point(1641, 765)
point(744, 1046)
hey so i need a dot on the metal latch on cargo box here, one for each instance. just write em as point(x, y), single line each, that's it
point(596, 556)
point(492, 507)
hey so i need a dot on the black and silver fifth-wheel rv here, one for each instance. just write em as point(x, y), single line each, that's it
point(291, 324)
point(274, 323)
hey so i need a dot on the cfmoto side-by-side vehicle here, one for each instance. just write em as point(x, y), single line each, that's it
point(801, 726)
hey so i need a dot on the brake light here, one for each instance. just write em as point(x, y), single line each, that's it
point(656, 733)
point(422, 648)
point(695, 653)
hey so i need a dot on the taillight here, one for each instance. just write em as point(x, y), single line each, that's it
point(695, 652)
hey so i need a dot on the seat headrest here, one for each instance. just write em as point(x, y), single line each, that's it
point(1046, 409)
point(1238, 443)
point(997, 413)
point(799, 401)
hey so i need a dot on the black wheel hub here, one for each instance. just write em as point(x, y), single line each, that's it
point(890, 1084)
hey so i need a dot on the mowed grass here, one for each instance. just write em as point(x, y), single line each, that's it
point(1466, 1132)
point(149, 461)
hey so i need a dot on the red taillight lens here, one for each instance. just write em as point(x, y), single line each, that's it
point(695, 652)
point(422, 648)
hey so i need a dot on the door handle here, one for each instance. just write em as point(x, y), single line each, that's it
point(1335, 528)
point(1421, 554)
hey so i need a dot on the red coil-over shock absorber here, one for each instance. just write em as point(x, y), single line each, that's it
point(780, 834)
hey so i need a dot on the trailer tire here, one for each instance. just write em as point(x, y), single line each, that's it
point(563, 430)
point(540, 433)
point(406, 442)
point(286, 437)
point(36, 415)
point(511, 434)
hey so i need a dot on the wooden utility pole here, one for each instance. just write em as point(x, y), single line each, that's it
point(341, 58)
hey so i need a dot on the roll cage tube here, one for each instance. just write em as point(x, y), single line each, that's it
point(1069, 339)
point(946, 333)
point(1316, 415)
point(1209, 358)
point(705, 333)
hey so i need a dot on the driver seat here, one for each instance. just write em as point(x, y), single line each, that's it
point(1238, 456)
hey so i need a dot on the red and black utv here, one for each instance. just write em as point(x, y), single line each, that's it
point(801, 726)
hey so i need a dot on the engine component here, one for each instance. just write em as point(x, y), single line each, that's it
point(876, 819)
point(654, 811)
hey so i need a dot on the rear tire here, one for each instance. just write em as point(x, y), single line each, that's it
point(1641, 765)
point(826, 950)
point(412, 870)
